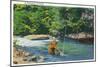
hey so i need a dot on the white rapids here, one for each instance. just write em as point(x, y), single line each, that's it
point(30, 43)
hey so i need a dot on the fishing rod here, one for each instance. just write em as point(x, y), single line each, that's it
point(64, 38)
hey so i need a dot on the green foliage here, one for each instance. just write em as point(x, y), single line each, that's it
point(32, 19)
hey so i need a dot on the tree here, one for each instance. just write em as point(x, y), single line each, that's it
point(34, 19)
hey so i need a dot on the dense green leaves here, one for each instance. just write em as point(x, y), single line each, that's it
point(32, 19)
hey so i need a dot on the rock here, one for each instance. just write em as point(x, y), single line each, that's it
point(27, 54)
point(34, 36)
point(20, 56)
point(25, 59)
point(86, 40)
point(59, 52)
point(40, 59)
point(82, 37)
point(20, 53)
point(36, 58)
point(32, 58)
point(17, 53)
point(15, 62)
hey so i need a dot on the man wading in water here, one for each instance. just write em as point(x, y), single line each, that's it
point(52, 47)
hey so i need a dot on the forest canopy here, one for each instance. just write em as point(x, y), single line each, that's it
point(34, 19)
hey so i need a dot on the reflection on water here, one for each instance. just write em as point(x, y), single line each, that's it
point(73, 50)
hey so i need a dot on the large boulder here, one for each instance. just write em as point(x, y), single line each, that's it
point(31, 37)
point(36, 58)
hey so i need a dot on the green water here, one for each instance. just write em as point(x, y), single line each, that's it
point(73, 50)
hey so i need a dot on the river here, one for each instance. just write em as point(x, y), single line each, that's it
point(73, 50)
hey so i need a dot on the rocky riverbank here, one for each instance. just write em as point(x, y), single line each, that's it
point(34, 37)
point(22, 57)
point(82, 37)
point(19, 56)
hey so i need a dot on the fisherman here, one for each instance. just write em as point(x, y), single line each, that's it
point(52, 46)
point(53, 49)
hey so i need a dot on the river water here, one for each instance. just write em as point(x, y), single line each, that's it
point(72, 49)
